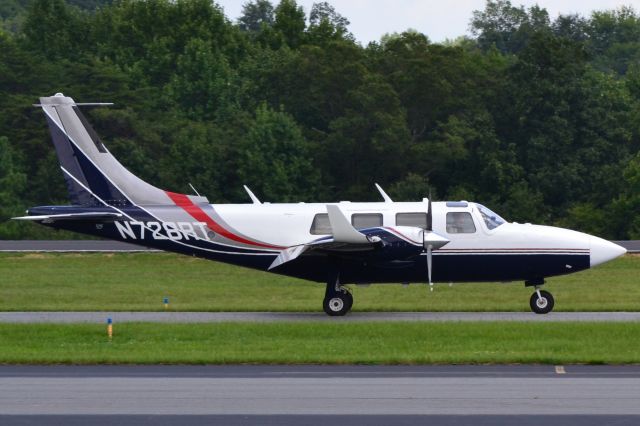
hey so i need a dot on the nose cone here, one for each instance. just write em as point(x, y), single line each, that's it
point(604, 251)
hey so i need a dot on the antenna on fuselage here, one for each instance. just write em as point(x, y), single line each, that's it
point(252, 195)
point(386, 198)
point(194, 189)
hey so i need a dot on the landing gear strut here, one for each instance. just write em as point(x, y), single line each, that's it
point(541, 302)
point(337, 299)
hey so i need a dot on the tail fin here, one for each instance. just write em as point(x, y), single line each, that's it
point(92, 174)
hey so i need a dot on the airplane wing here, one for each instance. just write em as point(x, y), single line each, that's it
point(103, 216)
point(345, 239)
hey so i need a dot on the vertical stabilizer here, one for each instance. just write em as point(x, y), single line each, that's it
point(91, 172)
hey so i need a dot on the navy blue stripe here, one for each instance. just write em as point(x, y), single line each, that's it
point(67, 159)
point(97, 182)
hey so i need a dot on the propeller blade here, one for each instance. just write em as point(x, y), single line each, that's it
point(429, 266)
point(431, 240)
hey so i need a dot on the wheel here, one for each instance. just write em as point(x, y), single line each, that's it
point(542, 304)
point(338, 304)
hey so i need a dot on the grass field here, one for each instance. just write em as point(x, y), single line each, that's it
point(123, 282)
point(333, 343)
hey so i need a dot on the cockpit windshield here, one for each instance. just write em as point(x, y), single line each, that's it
point(491, 219)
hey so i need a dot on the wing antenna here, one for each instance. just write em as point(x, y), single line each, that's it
point(386, 198)
point(252, 195)
point(194, 189)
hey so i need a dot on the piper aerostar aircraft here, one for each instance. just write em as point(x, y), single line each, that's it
point(333, 243)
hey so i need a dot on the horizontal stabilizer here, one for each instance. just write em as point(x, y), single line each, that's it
point(78, 104)
point(102, 216)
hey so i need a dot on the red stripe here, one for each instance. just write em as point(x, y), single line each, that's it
point(198, 214)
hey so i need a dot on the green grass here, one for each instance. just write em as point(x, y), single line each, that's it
point(325, 343)
point(122, 282)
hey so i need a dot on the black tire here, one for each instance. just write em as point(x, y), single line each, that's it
point(543, 304)
point(338, 304)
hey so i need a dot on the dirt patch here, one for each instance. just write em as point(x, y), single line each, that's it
point(32, 256)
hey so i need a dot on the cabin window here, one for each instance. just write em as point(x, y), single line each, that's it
point(419, 220)
point(460, 223)
point(366, 220)
point(321, 225)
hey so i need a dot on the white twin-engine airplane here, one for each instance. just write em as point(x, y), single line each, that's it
point(333, 243)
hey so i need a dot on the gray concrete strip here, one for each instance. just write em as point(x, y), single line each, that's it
point(213, 317)
point(316, 420)
point(309, 371)
point(558, 395)
point(70, 246)
point(632, 246)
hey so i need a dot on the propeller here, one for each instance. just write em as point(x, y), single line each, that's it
point(431, 241)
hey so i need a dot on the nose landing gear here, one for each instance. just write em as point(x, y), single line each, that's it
point(541, 302)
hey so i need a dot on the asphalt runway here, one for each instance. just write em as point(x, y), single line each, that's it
point(310, 395)
point(212, 317)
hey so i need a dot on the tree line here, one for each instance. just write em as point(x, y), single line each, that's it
point(534, 116)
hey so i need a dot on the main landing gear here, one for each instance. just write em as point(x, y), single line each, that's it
point(337, 299)
point(541, 301)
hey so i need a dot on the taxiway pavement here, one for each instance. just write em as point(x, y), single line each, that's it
point(287, 395)
point(212, 317)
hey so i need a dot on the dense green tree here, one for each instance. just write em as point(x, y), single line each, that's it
point(573, 27)
point(614, 38)
point(255, 15)
point(55, 29)
point(274, 159)
point(146, 37)
point(326, 24)
point(202, 80)
point(290, 22)
point(413, 187)
point(537, 118)
point(544, 90)
point(506, 27)
point(12, 186)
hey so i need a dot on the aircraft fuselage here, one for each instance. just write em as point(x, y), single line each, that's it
point(254, 234)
